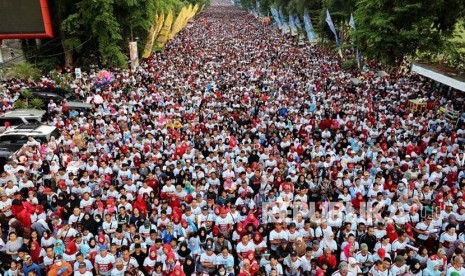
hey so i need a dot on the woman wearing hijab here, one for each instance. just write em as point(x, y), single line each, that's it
point(47, 239)
point(189, 265)
point(59, 247)
point(194, 247)
point(260, 243)
point(150, 260)
point(357, 202)
point(300, 247)
point(415, 268)
point(251, 219)
point(37, 253)
point(329, 242)
point(177, 271)
point(354, 268)
point(183, 252)
point(347, 252)
point(432, 268)
point(89, 223)
point(450, 251)
point(237, 234)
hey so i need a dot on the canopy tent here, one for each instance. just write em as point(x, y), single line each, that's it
point(442, 74)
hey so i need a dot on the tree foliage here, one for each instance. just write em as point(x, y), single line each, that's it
point(98, 31)
point(389, 30)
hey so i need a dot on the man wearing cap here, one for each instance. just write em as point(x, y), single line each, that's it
point(30, 266)
point(104, 262)
point(207, 260)
point(82, 270)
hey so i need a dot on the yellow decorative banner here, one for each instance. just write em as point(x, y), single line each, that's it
point(165, 30)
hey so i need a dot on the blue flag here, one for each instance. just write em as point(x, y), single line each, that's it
point(309, 27)
point(352, 22)
point(275, 14)
point(292, 25)
point(331, 26)
point(285, 28)
point(297, 22)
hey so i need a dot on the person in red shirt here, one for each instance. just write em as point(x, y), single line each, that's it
point(328, 258)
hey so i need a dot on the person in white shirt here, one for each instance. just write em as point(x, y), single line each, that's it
point(207, 260)
point(5, 205)
point(244, 247)
point(274, 265)
point(457, 266)
point(82, 270)
point(104, 262)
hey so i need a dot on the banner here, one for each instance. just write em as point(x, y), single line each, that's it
point(331, 26)
point(133, 55)
point(309, 27)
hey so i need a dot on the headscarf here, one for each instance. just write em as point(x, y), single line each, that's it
point(356, 202)
point(178, 269)
point(430, 264)
point(260, 238)
point(35, 253)
point(189, 269)
point(89, 224)
point(413, 269)
point(71, 248)
point(184, 253)
point(452, 248)
point(59, 247)
point(195, 247)
point(240, 225)
point(153, 248)
point(347, 250)
point(251, 221)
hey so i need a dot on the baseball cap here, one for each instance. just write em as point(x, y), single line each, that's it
point(58, 257)
point(119, 261)
point(103, 247)
point(209, 248)
point(82, 265)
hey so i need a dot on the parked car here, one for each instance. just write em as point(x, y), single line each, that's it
point(18, 117)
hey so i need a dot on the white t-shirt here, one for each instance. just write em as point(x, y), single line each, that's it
point(104, 264)
point(243, 249)
point(224, 223)
point(7, 203)
point(87, 273)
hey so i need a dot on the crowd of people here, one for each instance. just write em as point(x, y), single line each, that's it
point(239, 151)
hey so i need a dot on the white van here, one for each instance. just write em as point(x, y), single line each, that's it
point(20, 116)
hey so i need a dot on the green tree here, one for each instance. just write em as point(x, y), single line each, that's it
point(389, 30)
